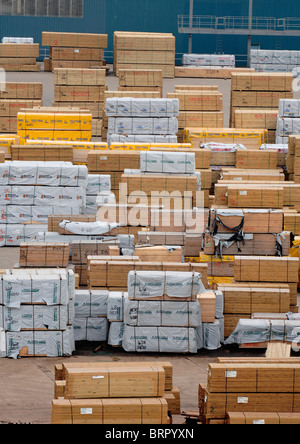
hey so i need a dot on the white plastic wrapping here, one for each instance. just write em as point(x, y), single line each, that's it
point(146, 138)
point(167, 162)
point(18, 40)
point(116, 334)
point(50, 174)
point(22, 288)
point(115, 305)
point(141, 107)
point(160, 313)
point(159, 339)
point(34, 317)
point(40, 343)
point(13, 235)
point(287, 126)
point(212, 336)
point(20, 214)
point(223, 147)
point(140, 125)
point(289, 108)
point(208, 60)
point(149, 284)
point(98, 183)
point(279, 147)
point(91, 303)
point(42, 195)
point(88, 228)
point(90, 329)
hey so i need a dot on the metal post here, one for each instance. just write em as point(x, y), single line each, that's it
point(250, 30)
point(191, 26)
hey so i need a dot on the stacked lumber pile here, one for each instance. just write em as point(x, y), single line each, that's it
point(255, 98)
point(59, 125)
point(200, 108)
point(44, 255)
point(43, 153)
point(83, 89)
point(80, 149)
point(141, 80)
point(36, 317)
point(293, 162)
point(203, 72)
point(138, 50)
point(19, 57)
point(6, 143)
point(261, 389)
point(139, 393)
point(74, 50)
point(15, 97)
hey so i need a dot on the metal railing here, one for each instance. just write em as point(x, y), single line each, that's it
point(238, 23)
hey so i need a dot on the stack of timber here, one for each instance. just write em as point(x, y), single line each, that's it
point(256, 388)
point(139, 393)
point(74, 50)
point(199, 108)
point(83, 89)
point(255, 100)
point(37, 316)
point(208, 73)
point(141, 80)
point(43, 153)
point(44, 255)
point(54, 125)
point(15, 97)
point(16, 57)
point(293, 159)
point(138, 50)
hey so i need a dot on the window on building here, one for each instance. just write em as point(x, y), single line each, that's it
point(42, 8)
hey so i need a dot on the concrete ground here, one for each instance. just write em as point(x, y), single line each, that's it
point(27, 384)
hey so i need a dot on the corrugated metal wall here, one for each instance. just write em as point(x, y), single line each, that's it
point(106, 16)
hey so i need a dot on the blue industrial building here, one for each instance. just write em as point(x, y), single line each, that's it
point(28, 18)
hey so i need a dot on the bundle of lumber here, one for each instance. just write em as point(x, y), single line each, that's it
point(208, 73)
point(44, 254)
point(293, 159)
point(251, 139)
point(81, 88)
point(74, 50)
point(115, 393)
point(255, 100)
point(138, 50)
point(15, 57)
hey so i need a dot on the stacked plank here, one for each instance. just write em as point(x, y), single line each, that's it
point(255, 98)
point(293, 159)
point(43, 153)
point(141, 80)
point(208, 72)
point(137, 50)
point(19, 57)
point(44, 255)
point(15, 97)
point(139, 393)
point(37, 316)
point(74, 50)
point(199, 108)
point(254, 387)
point(83, 89)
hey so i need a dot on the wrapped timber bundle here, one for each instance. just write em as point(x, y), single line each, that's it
point(254, 100)
point(274, 60)
point(74, 50)
point(99, 185)
point(13, 234)
point(282, 151)
point(31, 191)
point(83, 89)
point(138, 50)
point(138, 92)
point(16, 57)
point(206, 60)
point(37, 312)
